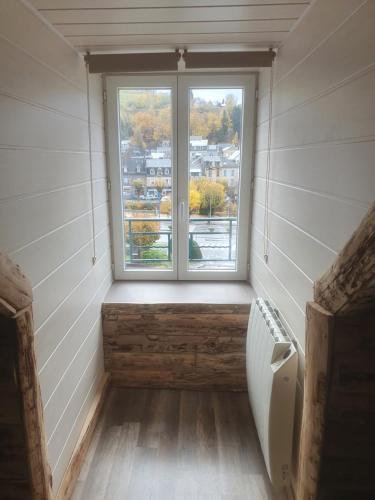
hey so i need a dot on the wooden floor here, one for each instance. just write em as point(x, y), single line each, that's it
point(174, 445)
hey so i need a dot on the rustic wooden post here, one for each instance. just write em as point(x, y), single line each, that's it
point(349, 284)
point(337, 430)
point(319, 336)
point(16, 304)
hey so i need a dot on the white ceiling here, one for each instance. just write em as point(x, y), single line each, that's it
point(132, 25)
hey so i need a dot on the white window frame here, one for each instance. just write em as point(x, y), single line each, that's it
point(179, 85)
point(112, 84)
point(247, 81)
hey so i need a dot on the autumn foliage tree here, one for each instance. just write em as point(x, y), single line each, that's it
point(212, 194)
point(195, 198)
point(218, 122)
point(145, 118)
point(139, 187)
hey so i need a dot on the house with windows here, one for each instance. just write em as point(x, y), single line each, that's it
point(198, 144)
point(133, 168)
point(158, 173)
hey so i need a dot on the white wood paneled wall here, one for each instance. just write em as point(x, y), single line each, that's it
point(45, 213)
point(323, 150)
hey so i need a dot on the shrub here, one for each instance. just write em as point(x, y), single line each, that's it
point(165, 207)
point(194, 251)
point(154, 254)
point(138, 205)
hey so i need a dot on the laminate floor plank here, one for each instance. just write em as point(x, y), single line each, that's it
point(165, 444)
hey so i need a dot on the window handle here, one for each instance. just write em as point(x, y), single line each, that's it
point(182, 211)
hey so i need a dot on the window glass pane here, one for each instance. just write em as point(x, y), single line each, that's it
point(215, 124)
point(146, 164)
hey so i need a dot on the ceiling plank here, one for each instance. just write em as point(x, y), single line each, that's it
point(130, 4)
point(214, 47)
point(281, 25)
point(172, 41)
point(182, 15)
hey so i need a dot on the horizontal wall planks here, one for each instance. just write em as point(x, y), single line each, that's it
point(319, 22)
point(26, 172)
point(329, 169)
point(335, 116)
point(131, 4)
point(183, 14)
point(45, 213)
point(286, 201)
point(36, 82)
point(19, 25)
point(308, 254)
point(58, 246)
point(268, 285)
point(55, 130)
point(193, 27)
point(321, 162)
point(82, 400)
point(90, 370)
point(351, 50)
point(67, 314)
point(103, 26)
point(196, 346)
point(75, 346)
point(299, 285)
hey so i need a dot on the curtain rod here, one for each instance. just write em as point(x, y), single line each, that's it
point(168, 61)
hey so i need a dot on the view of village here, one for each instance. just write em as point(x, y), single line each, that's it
point(214, 170)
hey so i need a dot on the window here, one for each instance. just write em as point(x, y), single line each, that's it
point(194, 226)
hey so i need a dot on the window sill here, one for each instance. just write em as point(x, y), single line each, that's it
point(180, 292)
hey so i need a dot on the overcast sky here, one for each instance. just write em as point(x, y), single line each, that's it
point(215, 95)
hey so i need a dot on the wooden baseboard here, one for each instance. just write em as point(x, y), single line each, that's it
point(71, 475)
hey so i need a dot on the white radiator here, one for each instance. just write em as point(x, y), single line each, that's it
point(271, 364)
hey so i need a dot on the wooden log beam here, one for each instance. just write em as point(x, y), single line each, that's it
point(16, 303)
point(40, 474)
point(319, 340)
point(186, 346)
point(348, 461)
point(349, 285)
point(15, 289)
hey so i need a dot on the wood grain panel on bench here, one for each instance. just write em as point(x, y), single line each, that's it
point(196, 346)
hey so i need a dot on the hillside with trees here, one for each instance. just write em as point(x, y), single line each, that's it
point(145, 118)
